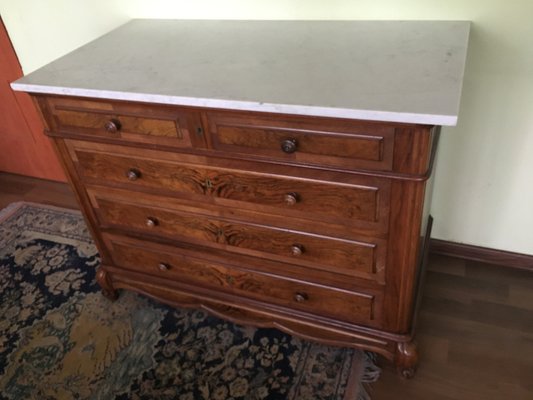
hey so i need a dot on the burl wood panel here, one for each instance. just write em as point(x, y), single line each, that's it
point(141, 126)
point(316, 200)
point(348, 257)
point(157, 125)
point(167, 262)
point(363, 145)
point(252, 312)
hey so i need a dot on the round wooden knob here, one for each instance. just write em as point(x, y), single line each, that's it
point(133, 174)
point(163, 267)
point(297, 249)
point(291, 199)
point(112, 126)
point(151, 222)
point(300, 297)
point(289, 146)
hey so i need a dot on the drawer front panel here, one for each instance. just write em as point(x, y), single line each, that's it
point(166, 263)
point(126, 122)
point(348, 257)
point(307, 141)
point(366, 205)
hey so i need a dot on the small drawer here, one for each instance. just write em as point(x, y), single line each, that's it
point(363, 203)
point(150, 124)
point(167, 262)
point(147, 215)
point(319, 141)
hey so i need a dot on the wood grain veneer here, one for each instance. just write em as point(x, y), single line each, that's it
point(311, 225)
point(205, 227)
point(349, 145)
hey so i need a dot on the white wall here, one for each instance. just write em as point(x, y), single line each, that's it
point(484, 177)
point(42, 31)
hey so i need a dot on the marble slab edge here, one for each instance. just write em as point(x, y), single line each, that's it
point(293, 109)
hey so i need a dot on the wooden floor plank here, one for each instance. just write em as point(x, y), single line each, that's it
point(495, 273)
point(21, 188)
point(484, 315)
point(447, 265)
point(502, 315)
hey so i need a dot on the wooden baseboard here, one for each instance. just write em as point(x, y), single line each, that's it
point(483, 254)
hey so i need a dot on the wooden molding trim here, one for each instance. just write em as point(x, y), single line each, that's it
point(483, 254)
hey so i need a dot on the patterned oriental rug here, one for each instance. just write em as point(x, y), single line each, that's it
point(61, 339)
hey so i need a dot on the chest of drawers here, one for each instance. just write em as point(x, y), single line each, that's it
point(312, 224)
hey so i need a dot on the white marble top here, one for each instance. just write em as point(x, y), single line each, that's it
point(401, 71)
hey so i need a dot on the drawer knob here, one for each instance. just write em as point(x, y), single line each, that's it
point(112, 126)
point(151, 222)
point(297, 249)
point(163, 267)
point(133, 174)
point(291, 198)
point(289, 146)
point(300, 297)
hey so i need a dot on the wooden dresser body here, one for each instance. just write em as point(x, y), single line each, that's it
point(241, 166)
point(312, 225)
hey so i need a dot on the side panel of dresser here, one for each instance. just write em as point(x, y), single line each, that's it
point(405, 224)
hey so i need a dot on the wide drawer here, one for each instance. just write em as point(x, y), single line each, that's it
point(362, 202)
point(319, 141)
point(167, 262)
point(127, 122)
point(153, 215)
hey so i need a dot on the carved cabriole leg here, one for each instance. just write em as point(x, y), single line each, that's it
point(103, 279)
point(406, 359)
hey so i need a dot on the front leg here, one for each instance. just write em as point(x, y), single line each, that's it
point(104, 280)
point(406, 359)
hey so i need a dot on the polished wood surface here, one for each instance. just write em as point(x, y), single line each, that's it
point(24, 149)
point(124, 122)
point(167, 262)
point(353, 200)
point(203, 226)
point(311, 224)
point(474, 331)
point(363, 145)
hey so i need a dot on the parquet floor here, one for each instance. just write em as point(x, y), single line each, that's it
point(21, 188)
point(475, 329)
point(475, 336)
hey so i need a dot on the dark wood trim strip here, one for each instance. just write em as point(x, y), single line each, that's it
point(483, 254)
point(424, 260)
